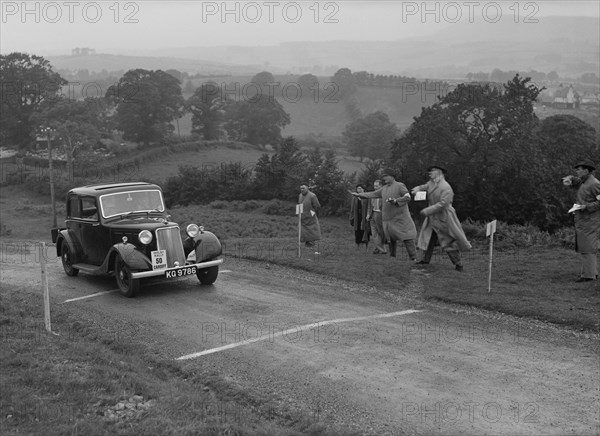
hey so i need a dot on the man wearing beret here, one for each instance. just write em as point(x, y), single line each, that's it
point(398, 225)
point(441, 223)
point(587, 218)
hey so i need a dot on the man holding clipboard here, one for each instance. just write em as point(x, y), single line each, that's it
point(441, 223)
point(587, 218)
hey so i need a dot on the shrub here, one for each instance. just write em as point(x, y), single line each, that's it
point(219, 204)
point(278, 207)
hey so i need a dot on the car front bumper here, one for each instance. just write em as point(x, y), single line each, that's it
point(162, 272)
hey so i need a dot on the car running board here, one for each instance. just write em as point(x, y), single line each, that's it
point(89, 269)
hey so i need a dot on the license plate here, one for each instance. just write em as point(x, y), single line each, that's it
point(180, 272)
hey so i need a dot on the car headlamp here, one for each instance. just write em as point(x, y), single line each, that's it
point(145, 237)
point(192, 230)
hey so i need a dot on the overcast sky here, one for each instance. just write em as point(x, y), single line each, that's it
point(114, 27)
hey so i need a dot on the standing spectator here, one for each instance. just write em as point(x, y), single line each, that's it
point(310, 228)
point(398, 225)
point(587, 218)
point(358, 219)
point(441, 223)
point(376, 221)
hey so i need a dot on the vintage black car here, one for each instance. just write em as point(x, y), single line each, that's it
point(124, 229)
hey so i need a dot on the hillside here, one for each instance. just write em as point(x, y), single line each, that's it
point(567, 45)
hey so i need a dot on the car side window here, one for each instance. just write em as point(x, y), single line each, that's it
point(73, 209)
point(89, 210)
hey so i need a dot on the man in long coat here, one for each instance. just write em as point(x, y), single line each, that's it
point(440, 223)
point(310, 228)
point(587, 218)
point(398, 225)
point(358, 219)
point(376, 221)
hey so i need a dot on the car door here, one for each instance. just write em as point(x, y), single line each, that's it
point(94, 237)
point(74, 227)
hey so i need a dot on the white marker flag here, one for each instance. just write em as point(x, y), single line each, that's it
point(490, 230)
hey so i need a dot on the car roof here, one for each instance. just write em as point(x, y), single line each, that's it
point(109, 188)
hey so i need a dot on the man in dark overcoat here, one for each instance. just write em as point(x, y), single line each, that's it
point(587, 218)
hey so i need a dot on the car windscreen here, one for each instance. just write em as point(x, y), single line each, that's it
point(131, 201)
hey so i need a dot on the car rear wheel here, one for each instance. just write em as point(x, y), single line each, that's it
point(207, 276)
point(127, 285)
point(66, 260)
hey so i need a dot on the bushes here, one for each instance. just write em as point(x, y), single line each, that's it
point(270, 207)
point(511, 236)
point(279, 207)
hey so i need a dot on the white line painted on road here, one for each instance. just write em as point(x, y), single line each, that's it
point(90, 296)
point(295, 330)
point(225, 270)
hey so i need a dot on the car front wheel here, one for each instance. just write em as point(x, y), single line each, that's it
point(66, 260)
point(207, 276)
point(127, 285)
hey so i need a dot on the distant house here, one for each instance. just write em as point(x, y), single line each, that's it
point(590, 99)
point(566, 98)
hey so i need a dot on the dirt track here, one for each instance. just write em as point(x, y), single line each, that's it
point(370, 364)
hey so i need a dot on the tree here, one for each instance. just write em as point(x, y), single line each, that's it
point(371, 172)
point(486, 137)
point(330, 185)
point(147, 103)
point(207, 106)
point(309, 85)
point(552, 76)
point(370, 136)
point(345, 82)
point(256, 121)
point(589, 78)
point(289, 169)
point(78, 123)
point(27, 81)
point(562, 141)
point(266, 84)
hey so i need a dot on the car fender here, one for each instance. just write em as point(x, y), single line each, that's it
point(65, 235)
point(135, 259)
point(206, 245)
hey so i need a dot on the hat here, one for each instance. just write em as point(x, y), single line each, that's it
point(586, 163)
point(388, 172)
point(433, 167)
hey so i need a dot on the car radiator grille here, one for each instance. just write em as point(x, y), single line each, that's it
point(169, 239)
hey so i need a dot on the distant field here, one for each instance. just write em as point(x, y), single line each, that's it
point(160, 170)
point(323, 114)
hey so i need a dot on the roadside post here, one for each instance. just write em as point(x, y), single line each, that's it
point(490, 230)
point(45, 287)
point(299, 210)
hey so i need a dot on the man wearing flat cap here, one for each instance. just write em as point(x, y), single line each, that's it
point(587, 218)
point(441, 223)
point(398, 225)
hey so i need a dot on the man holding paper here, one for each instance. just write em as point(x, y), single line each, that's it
point(587, 218)
point(440, 223)
point(398, 225)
